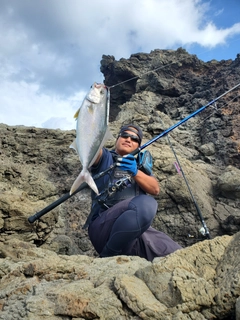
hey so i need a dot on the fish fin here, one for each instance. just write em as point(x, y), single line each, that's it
point(74, 145)
point(90, 108)
point(84, 176)
point(76, 114)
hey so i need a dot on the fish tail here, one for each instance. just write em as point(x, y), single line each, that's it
point(84, 176)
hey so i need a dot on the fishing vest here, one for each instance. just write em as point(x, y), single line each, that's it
point(130, 189)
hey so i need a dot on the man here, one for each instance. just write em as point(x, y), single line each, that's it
point(122, 214)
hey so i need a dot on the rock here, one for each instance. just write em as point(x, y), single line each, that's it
point(227, 279)
point(208, 149)
point(37, 283)
point(229, 183)
point(135, 293)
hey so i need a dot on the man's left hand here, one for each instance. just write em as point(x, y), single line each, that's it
point(128, 163)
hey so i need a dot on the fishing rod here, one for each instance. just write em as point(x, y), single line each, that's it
point(53, 205)
point(66, 196)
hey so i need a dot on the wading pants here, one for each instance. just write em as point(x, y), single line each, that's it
point(125, 229)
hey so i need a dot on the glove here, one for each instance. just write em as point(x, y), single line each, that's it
point(128, 163)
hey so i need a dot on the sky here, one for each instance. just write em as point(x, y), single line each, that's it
point(51, 49)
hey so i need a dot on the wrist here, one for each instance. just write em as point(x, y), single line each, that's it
point(135, 173)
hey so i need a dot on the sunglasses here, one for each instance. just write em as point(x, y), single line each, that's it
point(132, 137)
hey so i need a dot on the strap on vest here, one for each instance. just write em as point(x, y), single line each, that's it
point(144, 160)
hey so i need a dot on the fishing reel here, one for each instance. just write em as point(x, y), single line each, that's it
point(119, 185)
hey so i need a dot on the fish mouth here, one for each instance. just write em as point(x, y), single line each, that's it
point(99, 85)
point(96, 93)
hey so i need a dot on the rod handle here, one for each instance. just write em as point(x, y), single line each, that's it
point(56, 203)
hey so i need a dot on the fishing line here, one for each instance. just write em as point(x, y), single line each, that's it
point(158, 68)
point(162, 67)
point(217, 109)
point(39, 214)
point(143, 74)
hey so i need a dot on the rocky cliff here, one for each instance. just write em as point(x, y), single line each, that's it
point(37, 167)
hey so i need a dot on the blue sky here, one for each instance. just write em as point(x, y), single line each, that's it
point(51, 50)
point(223, 14)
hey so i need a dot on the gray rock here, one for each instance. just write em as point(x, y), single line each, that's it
point(193, 282)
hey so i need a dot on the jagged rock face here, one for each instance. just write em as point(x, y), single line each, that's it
point(37, 168)
point(181, 84)
point(199, 282)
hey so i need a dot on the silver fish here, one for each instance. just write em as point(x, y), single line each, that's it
point(91, 132)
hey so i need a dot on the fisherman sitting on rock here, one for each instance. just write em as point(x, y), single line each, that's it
point(121, 215)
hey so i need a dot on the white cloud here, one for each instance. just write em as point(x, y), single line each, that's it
point(22, 103)
point(211, 36)
point(52, 50)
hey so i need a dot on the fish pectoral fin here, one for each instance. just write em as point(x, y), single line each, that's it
point(74, 145)
point(90, 108)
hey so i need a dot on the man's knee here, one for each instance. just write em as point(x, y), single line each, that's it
point(145, 202)
point(146, 206)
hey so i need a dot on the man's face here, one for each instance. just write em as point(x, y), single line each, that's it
point(126, 143)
